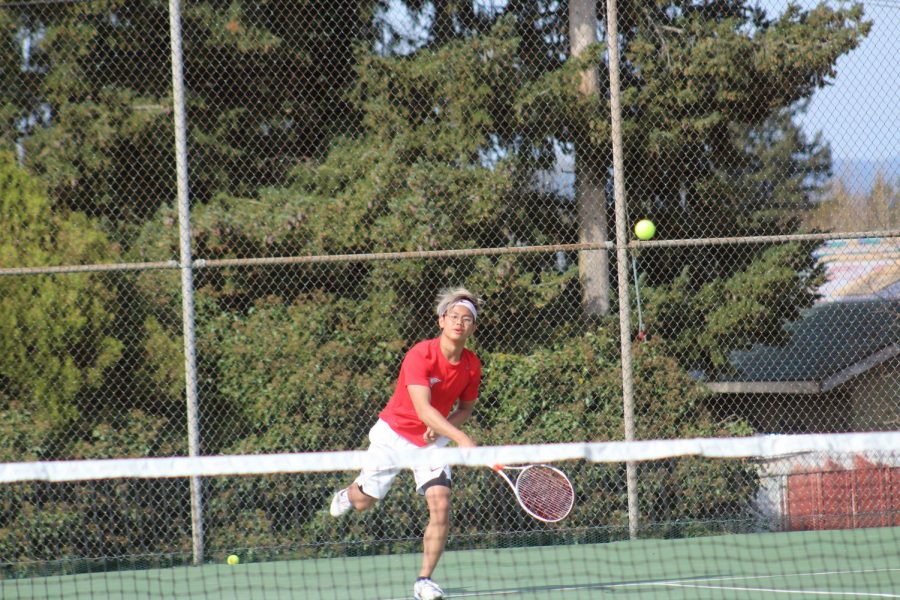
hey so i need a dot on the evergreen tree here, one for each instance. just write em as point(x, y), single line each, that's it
point(265, 84)
point(710, 91)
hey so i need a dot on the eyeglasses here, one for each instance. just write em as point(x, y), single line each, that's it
point(457, 319)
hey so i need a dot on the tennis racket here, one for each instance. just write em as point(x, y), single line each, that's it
point(544, 492)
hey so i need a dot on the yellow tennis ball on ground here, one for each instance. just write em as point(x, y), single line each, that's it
point(645, 229)
point(233, 559)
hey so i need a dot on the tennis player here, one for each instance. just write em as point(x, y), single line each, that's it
point(436, 375)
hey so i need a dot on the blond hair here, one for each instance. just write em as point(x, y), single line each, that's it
point(450, 296)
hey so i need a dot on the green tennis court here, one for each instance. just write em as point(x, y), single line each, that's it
point(861, 563)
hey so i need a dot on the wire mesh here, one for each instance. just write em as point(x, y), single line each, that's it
point(348, 160)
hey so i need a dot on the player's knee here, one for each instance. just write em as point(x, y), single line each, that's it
point(439, 503)
point(364, 503)
point(359, 499)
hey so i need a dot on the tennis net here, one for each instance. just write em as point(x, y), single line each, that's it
point(803, 516)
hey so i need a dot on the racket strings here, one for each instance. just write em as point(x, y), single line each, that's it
point(545, 492)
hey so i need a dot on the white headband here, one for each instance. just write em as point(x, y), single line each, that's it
point(466, 304)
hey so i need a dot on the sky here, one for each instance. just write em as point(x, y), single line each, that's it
point(859, 113)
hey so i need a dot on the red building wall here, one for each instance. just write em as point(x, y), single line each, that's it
point(836, 497)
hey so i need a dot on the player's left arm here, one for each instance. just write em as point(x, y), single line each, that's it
point(462, 413)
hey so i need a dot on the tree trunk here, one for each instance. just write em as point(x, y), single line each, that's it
point(590, 188)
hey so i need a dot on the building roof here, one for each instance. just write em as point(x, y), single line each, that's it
point(854, 327)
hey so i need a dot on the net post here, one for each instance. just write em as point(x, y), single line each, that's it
point(615, 106)
point(187, 273)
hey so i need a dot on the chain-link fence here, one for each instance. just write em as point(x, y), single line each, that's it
point(345, 161)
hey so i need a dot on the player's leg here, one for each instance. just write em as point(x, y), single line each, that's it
point(435, 486)
point(358, 498)
point(435, 538)
point(372, 484)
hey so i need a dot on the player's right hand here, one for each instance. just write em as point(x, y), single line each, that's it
point(429, 436)
point(466, 442)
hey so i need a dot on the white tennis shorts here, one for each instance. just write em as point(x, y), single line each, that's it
point(377, 482)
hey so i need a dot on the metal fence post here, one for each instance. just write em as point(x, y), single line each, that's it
point(615, 106)
point(187, 273)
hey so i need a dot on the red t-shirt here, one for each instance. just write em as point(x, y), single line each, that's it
point(425, 364)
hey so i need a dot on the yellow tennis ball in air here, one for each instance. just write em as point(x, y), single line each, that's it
point(233, 559)
point(645, 229)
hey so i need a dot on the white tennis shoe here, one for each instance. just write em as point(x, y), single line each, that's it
point(426, 589)
point(340, 503)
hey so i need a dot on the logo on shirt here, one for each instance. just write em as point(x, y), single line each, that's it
point(433, 380)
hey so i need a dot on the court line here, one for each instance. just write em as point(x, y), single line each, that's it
point(774, 575)
point(780, 591)
point(691, 583)
point(688, 584)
